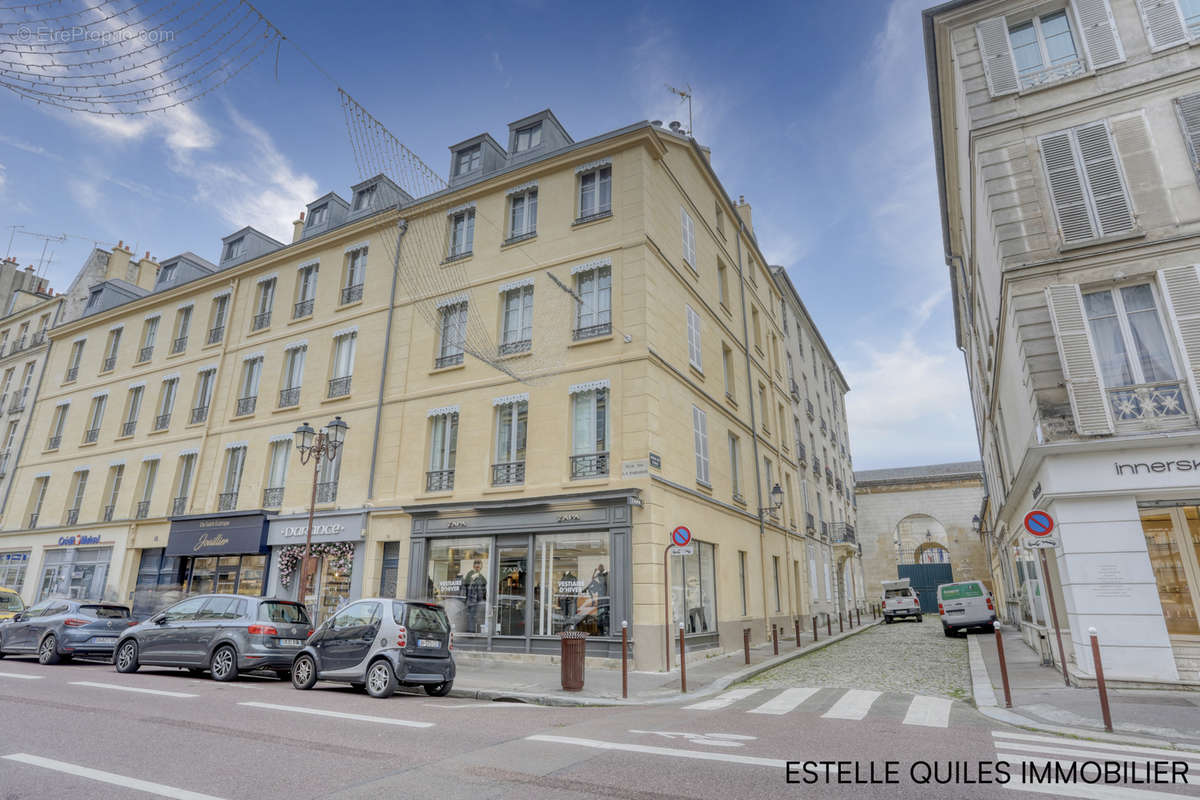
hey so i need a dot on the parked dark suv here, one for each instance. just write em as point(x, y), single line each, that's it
point(379, 644)
point(223, 633)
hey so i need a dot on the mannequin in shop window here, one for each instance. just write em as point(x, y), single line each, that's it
point(474, 588)
point(591, 615)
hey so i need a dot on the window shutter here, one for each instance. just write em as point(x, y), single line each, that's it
point(700, 436)
point(1181, 287)
point(689, 236)
point(1105, 181)
point(1099, 32)
point(1066, 188)
point(1163, 22)
point(1188, 109)
point(996, 53)
point(693, 335)
point(1080, 371)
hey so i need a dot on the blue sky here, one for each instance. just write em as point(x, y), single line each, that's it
point(817, 113)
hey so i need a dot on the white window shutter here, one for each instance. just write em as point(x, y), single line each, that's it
point(700, 436)
point(1163, 22)
point(1114, 212)
point(1188, 110)
point(1099, 33)
point(1181, 287)
point(689, 236)
point(1080, 371)
point(1066, 188)
point(693, 336)
point(996, 53)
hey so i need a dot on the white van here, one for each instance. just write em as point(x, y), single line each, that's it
point(963, 605)
point(899, 600)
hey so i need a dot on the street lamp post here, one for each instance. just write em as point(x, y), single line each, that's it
point(314, 446)
point(776, 501)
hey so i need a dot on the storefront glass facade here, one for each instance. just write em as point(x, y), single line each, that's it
point(163, 580)
point(694, 589)
point(1173, 543)
point(12, 570)
point(79, 573)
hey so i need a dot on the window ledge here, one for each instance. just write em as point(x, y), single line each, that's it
point(731, 400)
point(257, 331)
point(699, 373)
point(1137, 233)
point(515, 240)
point(105, 372)
point(123, 438)
point(459, 257)
point(159, 430)
point(195, 425)
point(182, 352)
point(351, 304)
point(1063, 81)
point(279, 409)
point(337, 399)
point(212, 345)
point(590, 340)
point(706, 488)
point(511, 356)
point(570, 484)
point(425, 495)
point(691, 268)
point(55, 450)
point(506, 489)
point(739, 499)
point(581, 222)
point(439, 370)
point(87, 444)
point(725, 308)
point(240, 417)
point(305, 318)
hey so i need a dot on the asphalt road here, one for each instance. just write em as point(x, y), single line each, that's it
point(83, 730)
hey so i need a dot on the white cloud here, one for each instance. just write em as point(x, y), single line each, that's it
point(3, 177)
point(85, 193)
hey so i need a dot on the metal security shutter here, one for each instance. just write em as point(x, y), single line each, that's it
point(1188, 110)
point(1080, 371)
point(1066, 188)
point(1163, 22)
point(1105, 182)
point(1099, 33)
point(996, 52)
point(700, 435)
point(1181, 287)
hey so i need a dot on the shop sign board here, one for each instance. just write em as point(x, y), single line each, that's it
point(339, 528)
point(217, 535)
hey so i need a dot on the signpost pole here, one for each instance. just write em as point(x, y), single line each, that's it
point(1054, 614)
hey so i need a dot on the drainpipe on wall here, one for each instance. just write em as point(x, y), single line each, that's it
point(401, 229)
point(758, 496)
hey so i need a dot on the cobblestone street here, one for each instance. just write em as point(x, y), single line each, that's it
point(902, 657)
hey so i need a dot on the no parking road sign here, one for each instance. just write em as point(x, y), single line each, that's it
point(1039, 523)
point(681, 536)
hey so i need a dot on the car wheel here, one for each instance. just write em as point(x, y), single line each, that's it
point(919, 617)
point(223, 665)
point(127, 656)
point(887, 620)
point(381, 679)
point(439, 689)
point(48, 651)
point(946, 629)
point(304, 672)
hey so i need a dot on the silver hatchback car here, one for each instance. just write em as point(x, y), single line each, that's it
point(380, 644)
point(222, 633)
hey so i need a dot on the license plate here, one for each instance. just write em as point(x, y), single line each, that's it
point(104, 639)
point(956, 611)
point(428, 643)
point(290, 643)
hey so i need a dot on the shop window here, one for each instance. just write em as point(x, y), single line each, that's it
point(572, 588)
point(12, 570)
point(77, 573)
point(1173, 544)
point(694, 589)
point(457, 577)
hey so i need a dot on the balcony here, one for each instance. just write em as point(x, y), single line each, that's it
point(108, 513)
point(179, 345)
point(246, 405)
point(91, 435)
point(801, 453)
point(843, 533)
point(72, 516)
point(829, 476)
point(816, 464)
point(441, 480)
point(227, 501)
point(809, 410)
point(199, 414)
point(810, 523)
point(327, 492)
point(589, 465)
point(162, 421)
point(1053, 73)
point(18, 345)
point(289, 397)
point(71, 375)
point(302, 309)
point(215, 335)
point(512, 348)
point(592, 331)
point(795, 389)
point(508, 474)
point(339, 387)
point(824, 529)
point(273, 497)
point(18, 402)
point(110, 363)
point(593, 217)
point(37, 338)
point(179, 506)
point(452, 360)
point(128, 428)
point(352, 294)
point(145, 354)
point(143, 509)
point(260, 321)
point(519, 237)
point(1150, 405)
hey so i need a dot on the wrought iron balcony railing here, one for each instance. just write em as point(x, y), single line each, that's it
point(289, 397)
point(260, 321)
point(441, 480)
point(327, 492)
point(71, 375)
point(246, 405)
point(108, 513)
point(607, 212)
point(128, 428)
point(452, 360)
point(227, 501)
point(273, 497)
point(810, 522)
point(162, 421)
point(199, 414)
point(215, 334)
point(72, 516)
point(4, 463)
point(592, 331)
point(809, 410)
point(179, 345)
point(801, 453)
point(303, 309)
point(1053, 73)
point(339, 387)
point(33, 520)
point(1150, 402)
point(110, 363)
point(352, 294)
point(843, 532)
point(91, 435)
point(507, 474)
point(589, 465)
point(143, 509)
point(179, 506)
point(520, 346)
point(145, 354)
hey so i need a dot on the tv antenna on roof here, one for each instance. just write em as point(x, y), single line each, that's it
point(684, 94)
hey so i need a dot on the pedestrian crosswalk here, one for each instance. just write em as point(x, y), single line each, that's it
point(840, 704)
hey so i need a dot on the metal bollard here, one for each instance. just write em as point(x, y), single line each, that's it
point(1100, 680)
point(1003, 666)
point(858, 616)
point(797, 621)
point(624, 658)
point(682, 662)
point(746, 643)
point(775, 638)
point(814, 627)
point(828, 625)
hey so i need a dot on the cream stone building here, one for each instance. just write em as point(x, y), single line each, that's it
point(546, 368)
point(1067, 138)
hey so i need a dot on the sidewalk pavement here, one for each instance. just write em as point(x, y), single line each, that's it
point(1041, 700)
point(484, 676)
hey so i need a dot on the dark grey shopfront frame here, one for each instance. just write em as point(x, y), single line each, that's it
point(590, 512)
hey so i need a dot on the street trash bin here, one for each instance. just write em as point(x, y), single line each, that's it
point(574, 647)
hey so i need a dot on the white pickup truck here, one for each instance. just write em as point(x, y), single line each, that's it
point(899, 600)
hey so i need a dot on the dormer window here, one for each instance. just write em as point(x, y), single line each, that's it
point(93, 299)
point(235, 248)
point(166, 274)
point(317, 216)
point(468, 159)
point(527, 138)
point(364, 197)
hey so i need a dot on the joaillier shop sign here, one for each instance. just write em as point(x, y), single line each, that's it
point(335, 528)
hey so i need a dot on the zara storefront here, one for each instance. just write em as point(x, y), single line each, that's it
point(513, 575)
point(1127, 525)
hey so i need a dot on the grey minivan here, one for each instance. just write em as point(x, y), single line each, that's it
point(59, 629)
point(964, 605)
point(222, 633)
point(379, 644)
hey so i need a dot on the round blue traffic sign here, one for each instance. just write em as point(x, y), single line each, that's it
point(1039, 523)
point(681, 536)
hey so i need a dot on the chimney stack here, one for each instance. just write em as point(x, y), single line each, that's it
point(118, 263)
point(743, 209)
point(298, 228)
